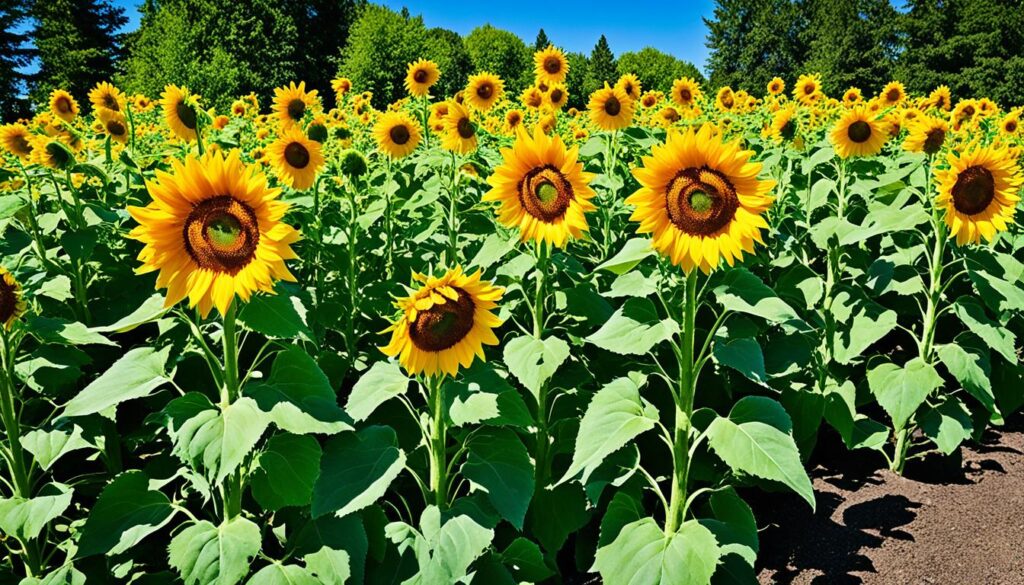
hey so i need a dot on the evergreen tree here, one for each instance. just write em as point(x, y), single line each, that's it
point(852, 43)
point(14, 54)
point(381, 45)
point(323, 27)
point(445, 48)
point(656, 70)
point(502, 53)
point(752, 41)
point(576, 80)
point(542, 41)
point(77, 44)
point(602, 69)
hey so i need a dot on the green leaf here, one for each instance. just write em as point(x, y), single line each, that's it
point(857, 430)
point(970, 366)
point(443, 552)
point(151, 309)
point(288, 468)
point(126, 512)
point(616, 415)
point(631, 254)
point(299, 397)
point(555, 514)
point(63, 332)
point(948, 425)
point(217, 440)
point(870, 323)
point(205, 554)
point(634, 329)
point(328, 565)
point(742, 354)
point(643, 554)
point(281, 315)
point(499, 462)
point(733, 525)
point(382, 382)
point(25, 518)
point(481, 396)
point(901, 391)
point(526, 560)
point(533, 361)
point(356, 470)
point(972, 313)
point(632, 284)
point(624, 509)
point(278, 574)
point(135, 375)
point(49, 446)
point(740, 290)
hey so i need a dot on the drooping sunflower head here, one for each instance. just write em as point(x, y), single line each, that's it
point(550, 65)
point(213, 231)
point(106, 96)
point(557, 96)
point(420, 77)
point(296, 158)
point(397, 134)
point(17, 140)
point(291, 102)
point(685, 91)
point(859, 133)
point(725, 99)
point(926, 134)
point(181, 111)
point(63, 105)
point(668, 116)
point(459, 130)
point(700, 199)
point(852, 96)
point(438, 112)
point(52, 152)
point(784, 124)
point(979, 191)
point(532, 97)
point(610, 108)
point(444, 323)
point(483, 90)
point(893, 94)
point(808, 88)
point(776, 86)
point(542, 189)
point(114, 125)
point(987, 107)
point(12, 305)
point(341, 86)
point(941, 98)
point(630, 84)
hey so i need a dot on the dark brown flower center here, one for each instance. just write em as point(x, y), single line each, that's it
point(974, 190)
point(670, 114)
point(934, 139)
point(545, 193)
point(400, 134)
point(465, 128)
point(116, 128)
point(552, 65)
point(110, 102)
point(8, 300)
point(514, 118)
point(893, 95)
point(186, 114)
point(222, 234)
point(442, 326)
point(556, 96)
point(684, 95)
point(534, 100)
point(420, 76)
point(485, 90)
point(727, 101)
point(859, 131)
point(22, 145)
point(296, 109)
point(296, 155)
point(63, 105)
point(1011, 126)
point(701, 201)
point(810, 88)
point(612, 106)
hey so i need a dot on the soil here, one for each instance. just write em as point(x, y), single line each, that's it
point(948, 521)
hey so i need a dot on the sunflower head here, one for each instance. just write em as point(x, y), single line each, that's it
point(784, 125)
point(650, 98)
point(397, 134)
point(12, 305)
point(420, 77)
point(353, 164)
point(114, 125)
point(106, 96)
point(776, 86)
point(859, 132)
point(532, 97)
point(550, 65)
point(808, 88)
point(700, 199)
point(296, 158)
point(926, 134)
point(610, 108)
point(725, 99)
point(460, 131)
point(17, 140)
point(438, 112)
point(892, 94)
point(631, 85)
point(852, 96)
point(685, 91)
point(483, 90)
point(557, 96)
point(291, 103)
point(444, 323)
point(1010, 124)
point(979, 191)
point(52, 153)
point(63, 106)
point(181, 111)
point(341, 86)
point(513, 118)
point(941, 98)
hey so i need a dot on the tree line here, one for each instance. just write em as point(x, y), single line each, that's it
point(224, 48)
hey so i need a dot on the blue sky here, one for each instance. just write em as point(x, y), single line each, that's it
point(673, 27)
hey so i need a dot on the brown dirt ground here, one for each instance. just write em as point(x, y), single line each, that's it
point(932, 527)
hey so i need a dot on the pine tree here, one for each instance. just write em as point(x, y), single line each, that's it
point(602, 69)
point(542, 41)
point(852, 43)
point(576, 80)
point(323, 27)
point(14, 54)
point(752, 41)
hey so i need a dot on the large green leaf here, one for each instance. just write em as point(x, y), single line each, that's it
point(740, 290)
point(355, 470)
point(279, 574)
point(526, 560)
point(49, 446)
point(948, 425)
point(481, 396)
point(299, 397)
point(857, 430)
point(217, 439)
point(499, 462)
point(280, 315)
point(288, 468)
point(533, 361)
point(999, 338)
point(205, 554)
point(901, 391)
point(444, 552)
point(126, 512)
point(862, 323)
point(634, 329)
point(632, 253)
point(26, 517)
point(969, 364)
point(382, 382)
point(643, 554)
point(328, 565)
point(135, 375)
point(61, 332)
point(149, 310)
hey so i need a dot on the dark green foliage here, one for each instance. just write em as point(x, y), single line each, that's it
point(655, 69)
point(502, 53)
point(381, 45)
point(14, 54)
point(752, 41)
point(445, 48)
point(853, 44)
point(323, 27)
point(603, 68)
point(576, 79)
point(542, 41)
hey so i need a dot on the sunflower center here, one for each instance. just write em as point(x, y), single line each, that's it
point(296, 155)
point(296, 109)
point(222, 234)
point(701, 201)
point(975, 188)
point(859, 131)
point(545, 193)
point(399, 134)
point(186, 114)
point(465, 128)
point(485, 91)
point(685, 95)
point(420, 76)
point(116, 128)
point(442, 326)
point(556, 96)
point(63, 105)
point(933, 141)
point(612, 106)
point(8, 300)
point(22, 145)
point(534, 99)
point(893, 95)
point(1011, 126)
point(110, 103)
point(809, 88)
point(552, 65)
point(727, 101)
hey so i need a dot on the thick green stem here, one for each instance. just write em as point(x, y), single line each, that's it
point(684, 408)
point(12, 426)
point(543, 439)
point(387, 219)
point(438, 444)
point(900, 457)
point(229, 393)
point(353, 285)
point(453, 218)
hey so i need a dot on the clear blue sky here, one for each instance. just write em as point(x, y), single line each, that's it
point(673, 27)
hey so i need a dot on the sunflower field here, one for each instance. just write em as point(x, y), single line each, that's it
point(484, 339)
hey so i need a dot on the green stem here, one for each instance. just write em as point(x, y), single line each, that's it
point(387, 218)
point(229, 393)
point(902, 445)
point(684, 408)
point(33, 222)
point(438, 443)
point(9, 414)
point(353, 285)
point(543, 439)
point(453, 207)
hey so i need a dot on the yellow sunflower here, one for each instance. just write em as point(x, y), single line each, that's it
point(776, 86)
point(420, 77)
point(784, 124)
point(685, 91)
point(106, 96)
point(238, 108)
point(483, 90)
point(341, 86)
point(397, 134)
point(63, 105)
point(892, 94)
point(296, 158)
point(610, 108)
point(181, 111)
point(550, 65)
point(630, 84)
point(1010, 124)
point(852, 96)
point(513, 118)
point(557, 96)
point(51, 153)
point(725, 99)
point(542, 189)
point(650, 98)
point(700, 199)
point(445, 323)
point(532, 97)
point(12, 305)
point(114, 125)
point(459, 130)
point(859, 133)
point(926, 134)
point(214, 231)
point(438, 112)
point(292, 101)
point(941, 98)
point(17, 140)
point(979, 192)
point(808, 88)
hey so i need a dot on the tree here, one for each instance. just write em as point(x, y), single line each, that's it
point(576, 79)
point(602, 68)
point(77, 45)
point(14, 54)
point(852, 43)
point(502, 53)
point(381, 45)
point(656, 70)
point(323, 27)
point(445, 48)
point(542, 41)
point(752, 41)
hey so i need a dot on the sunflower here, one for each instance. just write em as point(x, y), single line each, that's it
point(181, 111)
point(484, 90)
point(459, 130)
point(630, 84)
point(296, 158)
point(979, 192)
point(238, 108)
point(513, 118)
point(685, 91)
point(784, 124)
point(63, 105)
point(852, 96)
point(669, 115)
point(532, 98)
point(650, 98)
point(12, 305)
point(892, 94)
point(700, 199)
point(859, 133)
point(397, 134)
point(542, 189)
point(292, 101)
point(550, 65)
point(106, 96)
point(341, 86)
point(1010, 124)
point(557, 96)
point(926, 134)
point(808, 89)
point(725, 99)
point(610, 108)
point(445, 323)
point(17, 140)
point(941, 98)
point(420, 77)
point(114, 125)
point(776, 86)
point(51, 153)
point(438, 112)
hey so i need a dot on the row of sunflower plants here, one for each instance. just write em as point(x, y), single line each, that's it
point(484, 339)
